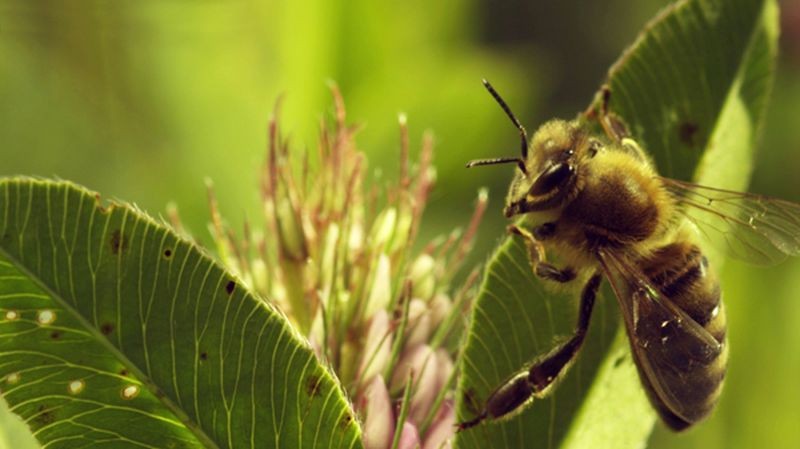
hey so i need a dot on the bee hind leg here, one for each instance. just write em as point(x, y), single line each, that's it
point(544, 372)
point(536, 255)
point(532, 382)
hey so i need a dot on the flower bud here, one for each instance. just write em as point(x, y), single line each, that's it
point(379, 419)
point(380, 293)
point(409, 437)
point(348, 355)
point(291, 235)
point(421, 361)
point(441, 431)
point(440, 307)
point(377, 346)
point(423, 278)
point(444, 368)
point(383, 228)
point(402, 231)
point(328, 256)
point(355, 242)
point(260, 275)
point(419, 323)
point(412, 360)
point(316, 336)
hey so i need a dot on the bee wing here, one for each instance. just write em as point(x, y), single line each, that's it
point(756, 229)
point(666, 343)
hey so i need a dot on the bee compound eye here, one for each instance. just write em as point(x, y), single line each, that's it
point(553, 177)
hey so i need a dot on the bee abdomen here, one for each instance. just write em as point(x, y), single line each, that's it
point(681, 273)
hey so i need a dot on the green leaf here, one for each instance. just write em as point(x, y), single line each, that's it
point(692, 90)
point(116, 333)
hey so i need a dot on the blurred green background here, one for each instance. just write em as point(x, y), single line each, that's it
point(142, 100)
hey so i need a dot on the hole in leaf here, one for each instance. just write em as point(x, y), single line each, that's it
point(230, 286)
point(168, 253)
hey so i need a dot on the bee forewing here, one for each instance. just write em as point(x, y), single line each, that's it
point(755, 228)
point(672, 351)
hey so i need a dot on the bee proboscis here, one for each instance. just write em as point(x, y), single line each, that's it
point(596, 200)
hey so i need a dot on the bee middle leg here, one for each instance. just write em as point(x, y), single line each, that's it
point(537, 257)
point(534, 381)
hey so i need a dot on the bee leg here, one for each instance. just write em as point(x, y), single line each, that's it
point(544, 231)
point(506, 398)
point(542, 374)
point(533, 382)
point(612, 124)
point(536, 255)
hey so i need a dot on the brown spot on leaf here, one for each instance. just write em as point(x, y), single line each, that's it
point(55, 335)
point(471, 402)
point(123, 372)
point(687, 131)
point(204, 356)
point(44, 417)
point(119, 242)
point(230, 286)
point(313, 383)
point(345, 421)
point(106, 328)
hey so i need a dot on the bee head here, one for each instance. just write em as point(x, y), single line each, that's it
point(557, 152)
point(548, 169)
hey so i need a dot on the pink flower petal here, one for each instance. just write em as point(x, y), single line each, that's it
point(379, 421)
point(442, 429)
point(409, 437)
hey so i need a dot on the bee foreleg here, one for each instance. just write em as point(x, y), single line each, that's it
point(536, 255)
point(542, 374)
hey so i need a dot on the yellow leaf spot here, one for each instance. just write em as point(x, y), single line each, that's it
point(46, 317)
point(76, 386)
point(130, 392)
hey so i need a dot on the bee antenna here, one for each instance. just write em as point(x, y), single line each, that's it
point(522, 133)
point(499, 160)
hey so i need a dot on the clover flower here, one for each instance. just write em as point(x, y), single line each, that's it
point(336, 255)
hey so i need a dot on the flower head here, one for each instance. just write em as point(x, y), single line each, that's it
point(335, 253)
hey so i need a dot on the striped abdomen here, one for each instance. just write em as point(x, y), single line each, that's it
point(688, 375)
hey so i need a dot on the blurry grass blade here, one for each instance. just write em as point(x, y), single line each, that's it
point(404, 406)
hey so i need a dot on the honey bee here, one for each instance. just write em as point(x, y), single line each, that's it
point(596, 200)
